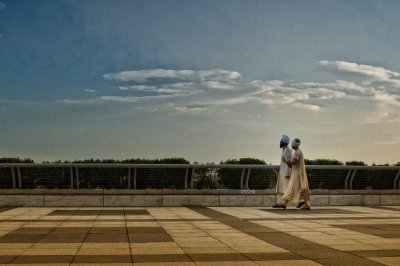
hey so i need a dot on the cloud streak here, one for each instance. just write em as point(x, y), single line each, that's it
point(146, 75)
point(378, 73)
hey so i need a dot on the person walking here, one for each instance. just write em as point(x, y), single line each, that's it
point(284, 169)
point(298, 184)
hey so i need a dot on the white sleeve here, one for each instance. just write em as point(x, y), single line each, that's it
point(297, 155)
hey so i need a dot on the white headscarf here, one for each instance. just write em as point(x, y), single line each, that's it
point(296, 143)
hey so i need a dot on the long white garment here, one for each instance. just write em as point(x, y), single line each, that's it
point(298, 183)
point(283, 181)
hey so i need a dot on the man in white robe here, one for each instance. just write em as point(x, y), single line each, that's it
point(298, 184)
point(284, 169)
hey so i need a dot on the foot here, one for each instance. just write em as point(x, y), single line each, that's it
point(277, 205)
point(301, 203)
point(305, 207)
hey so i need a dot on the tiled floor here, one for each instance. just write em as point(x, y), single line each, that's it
point(200, 236)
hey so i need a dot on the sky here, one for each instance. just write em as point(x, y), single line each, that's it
point(200, 79)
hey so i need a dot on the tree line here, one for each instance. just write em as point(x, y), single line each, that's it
point(178, 160)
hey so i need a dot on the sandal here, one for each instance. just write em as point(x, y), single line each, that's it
point(305, 208)
point(279, 206)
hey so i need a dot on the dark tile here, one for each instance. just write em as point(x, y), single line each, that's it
point(21, 238)
point(112, 212)
point(6, 259)
point(102, 259)
point(377, 253)
point(313, 211)
point(61, 240)
point(70, 230)
point(272, 256)
point(106, 238)
point(38, 259)
point(143, 230)
point(32, 230)
point(147, 238)
point(61, 213)
point(4, 209)
point(382, 230)
point(160, 258)
point(108, 230)
point(218, 257)
point(136, 212)
point(348, 261)
point(301, 247)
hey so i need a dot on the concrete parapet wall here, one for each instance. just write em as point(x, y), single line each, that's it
point(158, 198)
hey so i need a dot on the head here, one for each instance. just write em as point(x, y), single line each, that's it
point(284, 141)
point(296, 143)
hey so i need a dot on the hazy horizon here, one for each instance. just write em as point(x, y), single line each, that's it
point(203, 80)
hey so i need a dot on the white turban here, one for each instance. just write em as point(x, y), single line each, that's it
point(296, 142)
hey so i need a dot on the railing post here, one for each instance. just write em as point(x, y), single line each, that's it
point(77, 177)
point(13, 177)
point(186, 177)
point(242, 177)
point(71, 174)
point(247, 178)
point(396, 179)
point(191, 178)
point(129, 178)
point(134, 177)
point(351, 179)
point(346, 181)
point(19, 178)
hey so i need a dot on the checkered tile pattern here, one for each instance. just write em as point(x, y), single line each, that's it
point(200, 236)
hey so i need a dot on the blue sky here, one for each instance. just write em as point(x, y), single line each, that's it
point(205, 80)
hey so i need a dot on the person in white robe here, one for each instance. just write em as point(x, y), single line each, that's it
point(284, 169)
point(298, 184)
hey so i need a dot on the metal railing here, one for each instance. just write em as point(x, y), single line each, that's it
point(188, 176)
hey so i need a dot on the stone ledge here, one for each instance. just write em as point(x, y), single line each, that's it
point(158, 198)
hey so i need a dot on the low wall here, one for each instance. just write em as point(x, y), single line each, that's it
point(159, 198)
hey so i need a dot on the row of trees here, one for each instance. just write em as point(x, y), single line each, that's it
point(184, 161)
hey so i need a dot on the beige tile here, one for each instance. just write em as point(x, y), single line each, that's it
point(105, 246)
point(154, 245)
point(385, 246)
point(205, 250)
point(11, 251)
point(392, 261)
point(52, 251)
point(200, 244)
point(260, 249)
point(15, 245)
point(157, 250)
point(142, 224)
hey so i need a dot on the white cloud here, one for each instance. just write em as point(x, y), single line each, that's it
point(89, 90)
point(387, 98)
point(145, 75)
point(190, 90)
point(378, 73)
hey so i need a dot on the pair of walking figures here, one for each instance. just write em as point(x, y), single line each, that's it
point(292, 183)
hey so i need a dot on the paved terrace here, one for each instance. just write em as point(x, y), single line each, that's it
point(348, 235)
